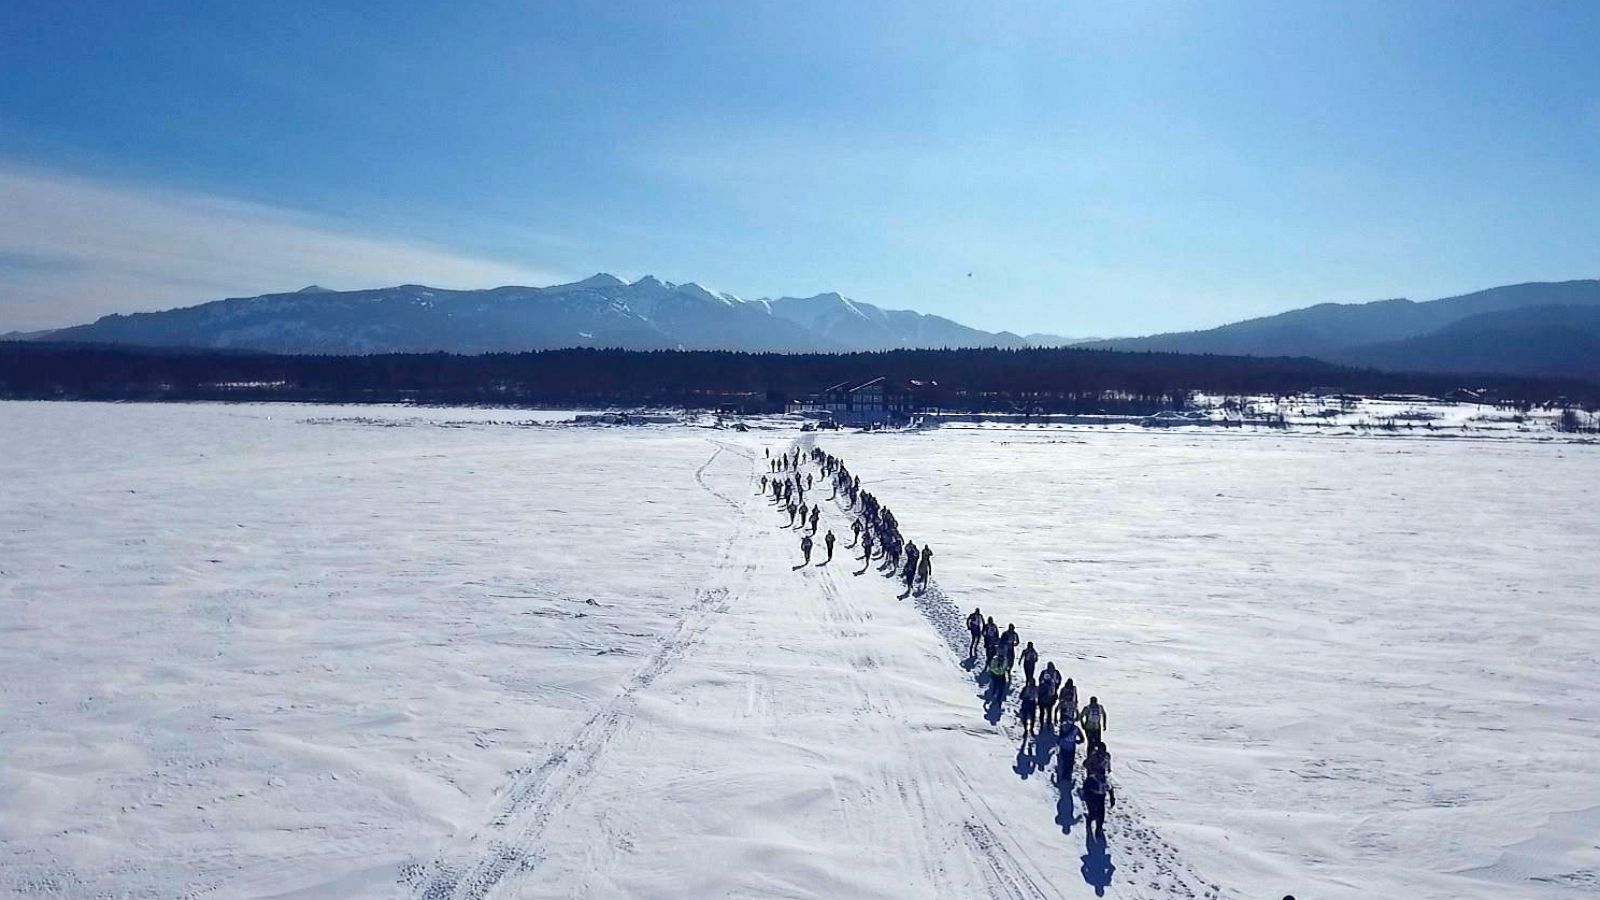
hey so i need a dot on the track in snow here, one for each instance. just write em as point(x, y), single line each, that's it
point(508, 845)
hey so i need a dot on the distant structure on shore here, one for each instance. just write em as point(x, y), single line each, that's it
point(879, 401)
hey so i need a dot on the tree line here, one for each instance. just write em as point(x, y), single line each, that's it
point(1047, 380)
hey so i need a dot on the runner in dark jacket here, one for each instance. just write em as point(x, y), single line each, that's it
point(1098, 796)
point(1027, 709)
point(1049, 687)
point(909, 573)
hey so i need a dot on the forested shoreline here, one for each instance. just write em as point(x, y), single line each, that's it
point(1054, 380)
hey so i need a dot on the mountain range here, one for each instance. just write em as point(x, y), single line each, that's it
point(600, 311)
point(1546, 329)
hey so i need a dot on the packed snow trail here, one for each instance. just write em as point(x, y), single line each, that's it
point(802, 734)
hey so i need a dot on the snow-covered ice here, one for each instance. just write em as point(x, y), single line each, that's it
point(277, 651)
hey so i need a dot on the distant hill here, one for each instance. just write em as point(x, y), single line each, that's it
point(1040, 339)
point(1388, 333)
point(1544, 341)
point(601, 311)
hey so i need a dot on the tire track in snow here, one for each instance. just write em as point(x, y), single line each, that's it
point(909, 790)
point(1008, 872)
point(1005, 875)
point(507, 846)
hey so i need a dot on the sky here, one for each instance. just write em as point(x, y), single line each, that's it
point(1073, 168)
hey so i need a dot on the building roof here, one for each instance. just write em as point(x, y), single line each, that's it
point(852, 386)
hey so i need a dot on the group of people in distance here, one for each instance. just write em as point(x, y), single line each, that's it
point(873, 526)
point(1048, 702)
point(785, 486)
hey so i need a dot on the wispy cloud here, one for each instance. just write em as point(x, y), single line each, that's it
point(72, 249)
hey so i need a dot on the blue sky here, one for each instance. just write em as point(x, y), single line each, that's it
point(1110, 168)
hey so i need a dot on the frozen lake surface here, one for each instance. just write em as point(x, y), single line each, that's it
point(289, 651)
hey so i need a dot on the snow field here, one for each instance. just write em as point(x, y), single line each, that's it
point(1342, 668)
point(247, 656)
point(276, 651)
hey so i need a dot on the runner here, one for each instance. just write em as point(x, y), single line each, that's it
point(1067, 753)
point(827, 540)
point(1098, 762)
point(925, 568)
point(1026, 709)
point(991, 641)
point(975, 627)
point(1049, 688)
point(1009, 641)
point(1000, 673)
point(910, 573)
point(805, 548)
point(1094, 721)
point(1030, 658)
point(1098, 796)
point(1068, 704)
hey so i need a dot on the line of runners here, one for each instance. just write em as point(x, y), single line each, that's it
point(1052, 704)
point(1046, 701)
point(873, 527)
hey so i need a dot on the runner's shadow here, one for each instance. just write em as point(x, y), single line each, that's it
point(1066, 811)
point(797, 568)
point(995, 701)
point(1042, 745)
point(1024, 765)
point(1097, 866)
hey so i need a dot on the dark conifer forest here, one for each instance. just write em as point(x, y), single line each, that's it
point(985, 380)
